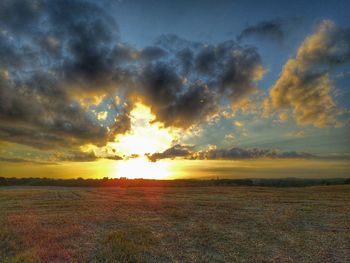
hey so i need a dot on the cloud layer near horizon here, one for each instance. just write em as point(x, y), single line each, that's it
point(233, 153)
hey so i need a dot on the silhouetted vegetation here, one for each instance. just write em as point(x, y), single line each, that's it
point(124, 182)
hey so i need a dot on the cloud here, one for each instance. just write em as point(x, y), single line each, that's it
point(19, 15)
point(22, 160)
point(79, 155)
point(173, 43)
point(296, 134)
point(232, 69)
point(123, 53)
point(102, 115)
point(115, 158)
point(121, 125)
point(159, 84)
point(39, 112)
point(177, 150)
point(74, 156)
point(190, 108)
point(228, 68)
point(188, 90)
point(238, 124)
point(89, 33)
point(304, 84)
point(236, 153)
point(276, 29)
point(9, 56)
point(186, 59)
point(163, 90)
point(233, 153)
point(329, 45)
point(38, 104)
point(171, 100)
point(230, 136)
point(60, 61)
point(152, 53)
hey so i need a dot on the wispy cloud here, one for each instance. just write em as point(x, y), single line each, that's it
point(275, 29)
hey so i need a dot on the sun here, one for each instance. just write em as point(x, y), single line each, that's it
point(142, 168)
point(144, 137)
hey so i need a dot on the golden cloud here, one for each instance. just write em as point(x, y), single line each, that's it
point(304, 84)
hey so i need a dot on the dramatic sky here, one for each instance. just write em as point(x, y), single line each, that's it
point(174, 88)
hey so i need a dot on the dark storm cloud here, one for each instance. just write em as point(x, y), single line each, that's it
point(161, 87)
point(9, 55)
point(152, 53)
point(20, 15)
point(33, 137)
point(82, 28)
point(123, 53)
point(234, 153)
point(160, 83)
point(188, 94)
point(56, 55)
point(276, 29)
point(186, 57)
point(89, 34)
point(38, 112)
point(207, 60)
point(229, 69)
point(239, 72)
point(50, 44)
point(191, 107)
point(36, 103)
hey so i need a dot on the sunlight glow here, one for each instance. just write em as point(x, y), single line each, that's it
point(142, 168)
point(145, 136)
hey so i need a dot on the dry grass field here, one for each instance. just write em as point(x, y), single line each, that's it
point(183, 224)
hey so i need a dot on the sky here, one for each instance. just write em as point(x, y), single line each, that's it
point(172, 89)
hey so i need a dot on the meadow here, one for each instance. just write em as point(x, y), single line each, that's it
point(175, 224)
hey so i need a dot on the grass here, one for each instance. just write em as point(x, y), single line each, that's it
point(132, 245)
point(191, 224)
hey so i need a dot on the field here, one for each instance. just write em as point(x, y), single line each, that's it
point(175, 224)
